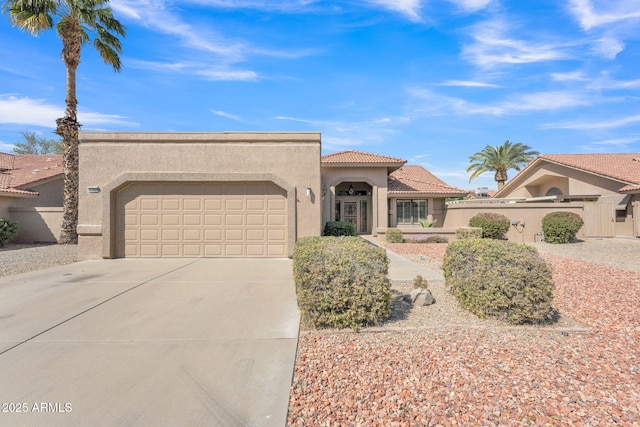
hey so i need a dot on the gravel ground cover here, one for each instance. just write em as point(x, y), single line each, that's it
point(484, 375)
point(21, 258)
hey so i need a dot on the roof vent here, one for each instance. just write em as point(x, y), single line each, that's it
point(49, 159)
point(36, 171)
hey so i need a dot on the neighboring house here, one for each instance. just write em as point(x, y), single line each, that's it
point(31, 193)
point(607, 184)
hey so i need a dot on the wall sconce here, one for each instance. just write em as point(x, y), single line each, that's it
point(93, 189)
point(324, 190)
point(350, 190)
point(308, 191)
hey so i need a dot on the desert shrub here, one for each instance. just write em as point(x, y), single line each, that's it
point(499, 279)
point(561, 227)
point(341, 281)
point(394, 235)
point(339, 228)
point(420, 282)
point(434, 238)
point(494, 225)
point(8, 231)
point(465, 233)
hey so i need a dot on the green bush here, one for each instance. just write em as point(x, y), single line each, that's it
point(434, 238)
point(341, 281)
point(339, 228)
point(394, 235)
point(420, 282)
point(8, 231)
point(561, 227)
point(465, 233)
point(494, 225)
point(499, 279)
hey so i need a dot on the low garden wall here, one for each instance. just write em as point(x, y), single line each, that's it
point(37, 225)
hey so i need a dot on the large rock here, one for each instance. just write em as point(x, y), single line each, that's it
point(420, 297)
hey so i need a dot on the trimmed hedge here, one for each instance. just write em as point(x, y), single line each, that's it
point(8, 231)
point(494, 225)
point(465, 233)
point(561, 227)
point(500, 279)
point(339, 228)
point(394, 235)
point(341, 281)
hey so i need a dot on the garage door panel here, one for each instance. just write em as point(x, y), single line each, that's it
point(171, 235)
point(149, 219)
point(234, 204)
point(202, 219)
point(171, 219)
point(170, 204)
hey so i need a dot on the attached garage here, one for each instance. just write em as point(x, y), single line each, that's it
point(227, 194)
point(212, 219)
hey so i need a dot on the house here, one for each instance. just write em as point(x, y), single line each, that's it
point(608, 185)
point(235, 194)
point(31, 193)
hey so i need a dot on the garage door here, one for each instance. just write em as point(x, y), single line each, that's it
point(246, 219)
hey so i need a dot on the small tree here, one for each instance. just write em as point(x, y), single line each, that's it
point(35, 144)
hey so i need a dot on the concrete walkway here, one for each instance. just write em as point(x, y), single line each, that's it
point(149, 342)
point(403, 269)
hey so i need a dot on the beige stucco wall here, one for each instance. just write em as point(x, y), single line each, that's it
point(531, 214)
point(376, 177)
point(5, 203)
point(51, 194)
point(110, 160)
point(37, 224)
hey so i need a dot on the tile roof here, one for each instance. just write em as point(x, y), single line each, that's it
point(623, 167)
point(351, 156)
point(18, 172)
point(414, 179)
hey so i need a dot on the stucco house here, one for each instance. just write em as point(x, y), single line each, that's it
point(31, 193)
point(608, 185)
point(235, 194)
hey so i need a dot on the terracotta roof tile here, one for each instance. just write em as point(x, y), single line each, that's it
point(6, 161)
point(414, 179)
point(351, 156)
point(623, 167)
point(28, 169)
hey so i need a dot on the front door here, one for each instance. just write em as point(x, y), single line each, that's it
point(355, 210)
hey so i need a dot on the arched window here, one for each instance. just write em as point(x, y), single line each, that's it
point(554, 191)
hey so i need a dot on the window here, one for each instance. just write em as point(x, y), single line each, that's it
point(554, 191)
point(411, 211)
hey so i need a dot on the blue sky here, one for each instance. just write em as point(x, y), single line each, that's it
point(431, 81)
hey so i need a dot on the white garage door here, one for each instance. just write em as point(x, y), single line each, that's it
point(245, 219)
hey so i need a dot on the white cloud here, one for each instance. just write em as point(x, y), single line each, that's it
point(409, 8)
point(471, 5)
point(588, 125)
point(592, 14)
point(5, 148)
point(467, 83)
point(577, 76)
point(607, 47)
point(27, 111)
point(436, 104)
point(617, 142)
point(37, 112)
point(493, 46)
point(207, 71)
point(226, 115)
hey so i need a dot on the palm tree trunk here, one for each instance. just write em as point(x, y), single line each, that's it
point(67, 128)
point(501, 177)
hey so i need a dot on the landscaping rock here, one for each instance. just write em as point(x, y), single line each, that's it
point(420, 297)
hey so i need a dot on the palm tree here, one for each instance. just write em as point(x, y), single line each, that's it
point(500, 159)
point(75, 22)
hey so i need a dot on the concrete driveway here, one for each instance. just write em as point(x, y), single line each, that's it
point(178, 342)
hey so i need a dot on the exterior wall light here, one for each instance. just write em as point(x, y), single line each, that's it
point(308, 191)
point(93, 189)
